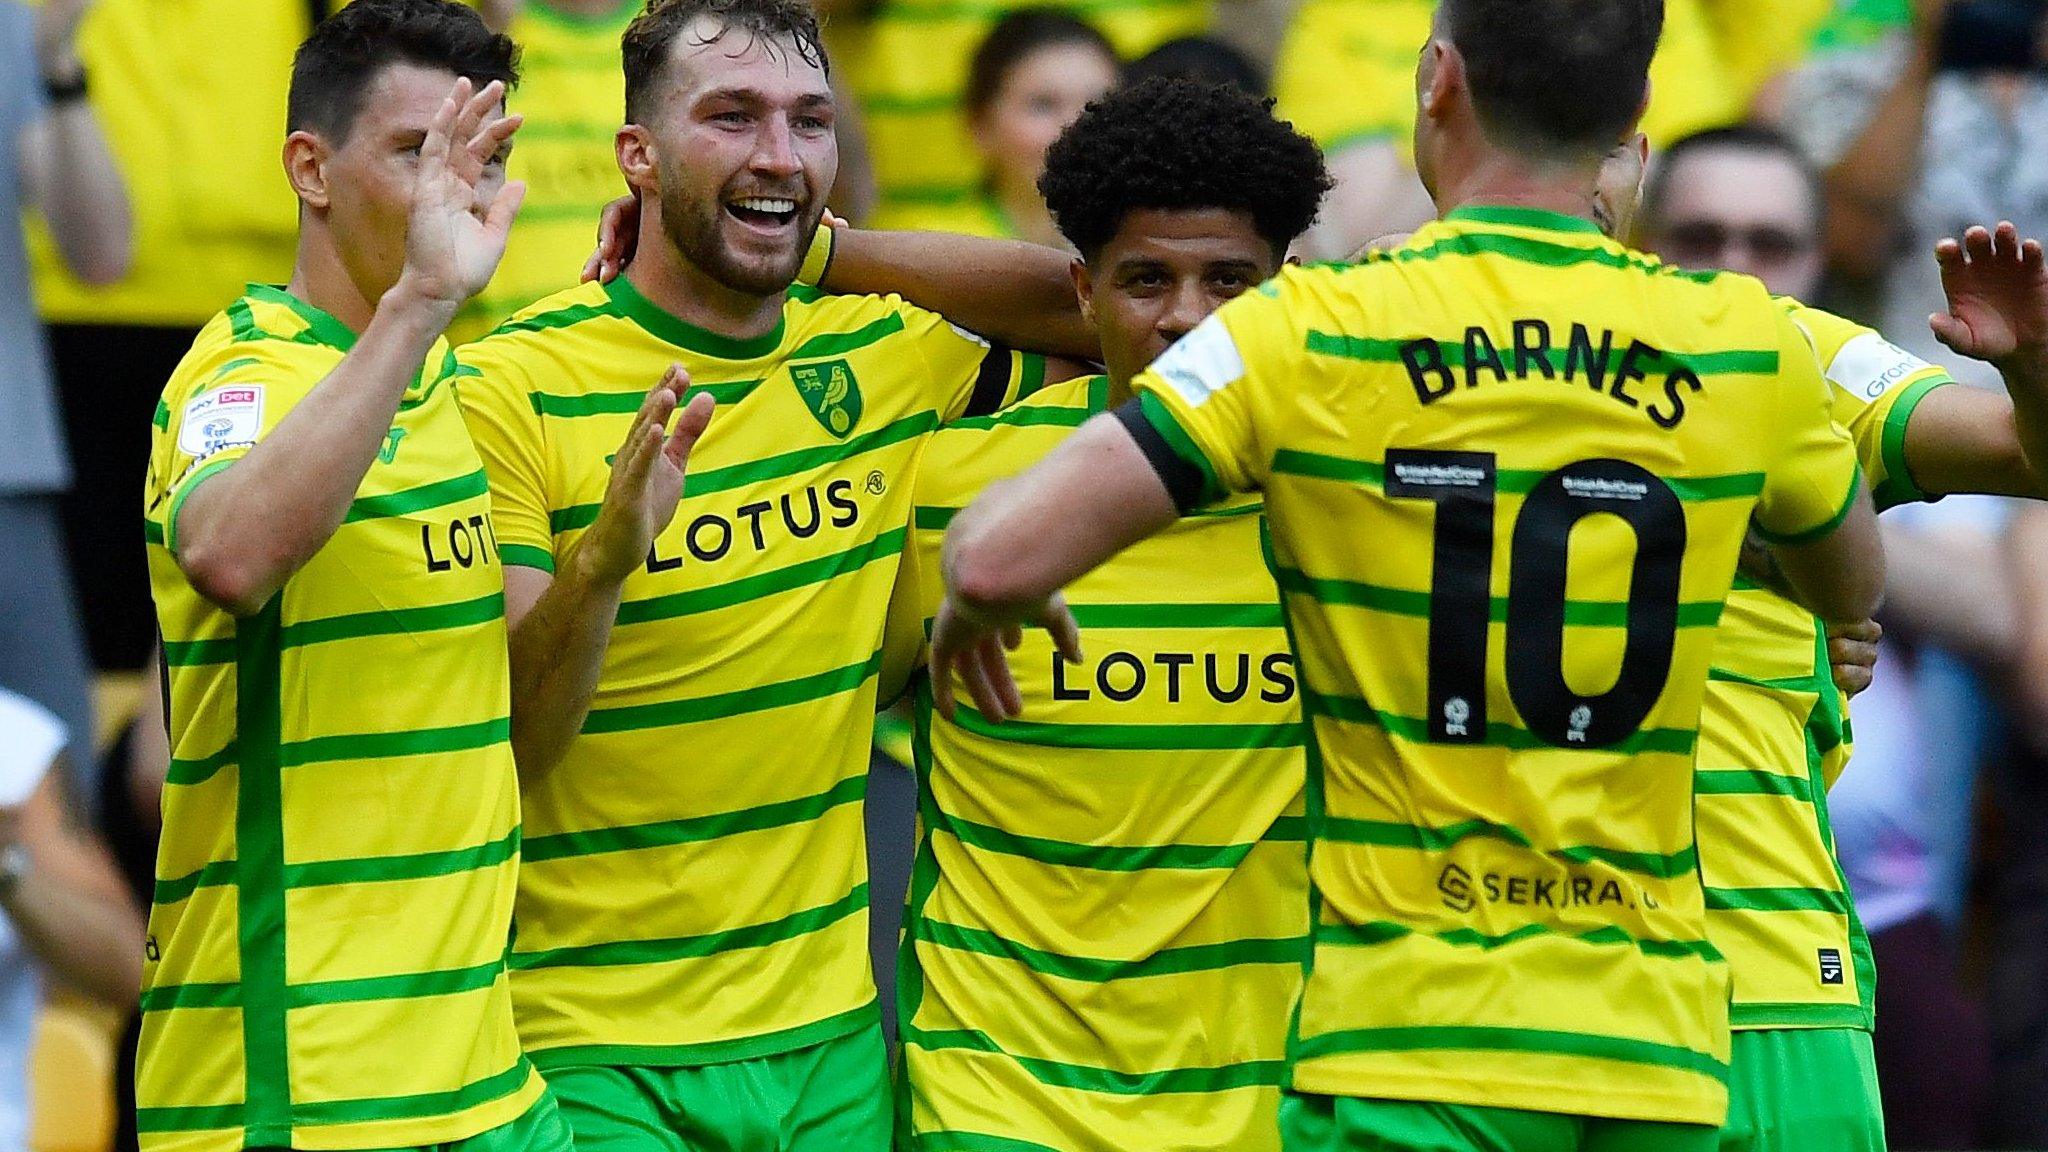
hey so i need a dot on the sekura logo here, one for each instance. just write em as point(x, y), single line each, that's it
point(831, 393)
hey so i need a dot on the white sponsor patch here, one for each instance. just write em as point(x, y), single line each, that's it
point(223, 418)
point(1870, 365)
point(1203, 363)
point(964, 334)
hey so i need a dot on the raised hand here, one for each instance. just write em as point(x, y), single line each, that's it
point(978, 651)
point(647, 479)
point(1997, 286)
point(454, 241)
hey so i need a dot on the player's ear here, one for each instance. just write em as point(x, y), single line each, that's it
point(305, 165)
point(637, 161)
point(1442, 74)
point(1084, 290)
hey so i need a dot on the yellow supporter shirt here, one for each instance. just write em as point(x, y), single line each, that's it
point(326, 956)
point(1774, 736)
point(695, 885)
point(191, 97)
point(910, 69)
point(573, 96)
point(1110, 908)
point(1511, 912)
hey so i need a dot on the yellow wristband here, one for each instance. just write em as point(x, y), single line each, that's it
point(818, 259)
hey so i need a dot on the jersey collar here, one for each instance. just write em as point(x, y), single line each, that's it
point(1522, 218)
point(321, 327)
point(673, 329)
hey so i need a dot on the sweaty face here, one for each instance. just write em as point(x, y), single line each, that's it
point(1738, 211)
point(370, 176)
point(1039, 96)
point(746, 154)
point(1163, 273)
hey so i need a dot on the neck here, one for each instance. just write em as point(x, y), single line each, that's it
point(1508, 180)
point(672, 283)
point(319, 279)
point(1119, 390)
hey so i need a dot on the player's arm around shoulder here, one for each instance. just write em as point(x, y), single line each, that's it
point(1815, 511)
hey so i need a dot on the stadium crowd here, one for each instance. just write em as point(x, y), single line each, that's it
point(1821, 146)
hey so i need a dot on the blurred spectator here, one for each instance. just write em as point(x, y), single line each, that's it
point(1346, 76)
point(1742, 199)
point(1204, 59)
point(909, 68)
point(2018, 884)
point(573, 96)
point(51, 156)
point(1029, 80)
point(192, 96)
point(64, 913)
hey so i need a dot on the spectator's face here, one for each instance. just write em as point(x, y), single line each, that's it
point(365, 185)
point(1039, 96)
point(1163, 273)
point(1741, 211)
point(739, 155)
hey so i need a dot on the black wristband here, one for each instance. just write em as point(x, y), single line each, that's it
point(67, 91)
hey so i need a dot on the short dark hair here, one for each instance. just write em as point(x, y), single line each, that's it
point(650, 39)
point(1749, 139)
point(1203, 58)
point(1556, 75)
point(1181, 145)
point(1020, 33)
point(333, 70)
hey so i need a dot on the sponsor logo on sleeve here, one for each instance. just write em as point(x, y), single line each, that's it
point(223, 418)
point(1203, 363)
point(1870, 365)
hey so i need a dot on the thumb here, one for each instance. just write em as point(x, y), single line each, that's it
point(1951, 332)
point(690, 426)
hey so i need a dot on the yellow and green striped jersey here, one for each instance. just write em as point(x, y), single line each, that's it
point(909, 64)
point(695, 887)
point(326, 958)
point(1774, 736)
point(1110, 909)
point(573, 96)
point(1508, 469)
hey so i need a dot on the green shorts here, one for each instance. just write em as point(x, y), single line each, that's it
point(1803, 1090)
point(829, 1097)
point(539, 1129)
point(1345, 1124)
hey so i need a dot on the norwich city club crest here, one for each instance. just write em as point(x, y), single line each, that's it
point(831, 393)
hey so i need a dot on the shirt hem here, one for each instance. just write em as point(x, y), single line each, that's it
point(712, 1051)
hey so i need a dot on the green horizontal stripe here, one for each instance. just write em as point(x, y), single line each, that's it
point(1473, 1038)
point(1811, 682)
point(740, 702)
point(174, 996)
point(930, 519)
point(674, 948)
point(572, 406)
point(187, 773)
point(1096, 970)
point(412, 866)
point(971, 1142)
point(1321, 466)
point(1777, 900)
point(749, 588)
point(435, 495)
point(1677, 741)
point(394, 621)
point(772, 1043)
point(1529, 250)
point(1177, 615)
point(1748, 782)
point(380, 745)
point(1386, 834)
point(409, 986)
point(1084, 1078)
point(1703, 364)
point(194, 653)
point(527, 556)
point(1406, 602)
point(1114, 857)
point(511, 1080)
point(809, 459)
point(213, 874)
point(1383, 932)
point(567, 317)
point(695, 829)
point(1035, 416)
point(195, 1118)
point(840, 343)
point(1132, 737)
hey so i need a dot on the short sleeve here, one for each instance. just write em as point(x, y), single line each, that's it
point(914, 598)
point(498, 406)
point(1877, 385)
point(969, 375)
point(237, 395)
point(1210, 398)
point(1812, 477)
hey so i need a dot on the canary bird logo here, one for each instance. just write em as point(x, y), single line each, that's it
point(831, 393)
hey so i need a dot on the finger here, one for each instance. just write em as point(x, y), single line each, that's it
point(1851, 679)
point(1977, 244)
point(481, 102)
point(1065, 630)
point(490, 139)
point(434, 149)
point(593, 267)
point(831, 219)
point(505, 209)
point(2005, 241)
point(1949, 252)
point(690, 427)
point(942, 680)
point(2030, 257)
point(1868, 631)
point(974, 676)
point(634, 447)
point(1003, 701)
point(1013, 637)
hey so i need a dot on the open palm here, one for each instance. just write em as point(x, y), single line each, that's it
point(450, 248)
point(647, 477)
point(1997, 287)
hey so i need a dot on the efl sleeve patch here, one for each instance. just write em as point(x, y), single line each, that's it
point(1202, 363)
point(223, 418)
